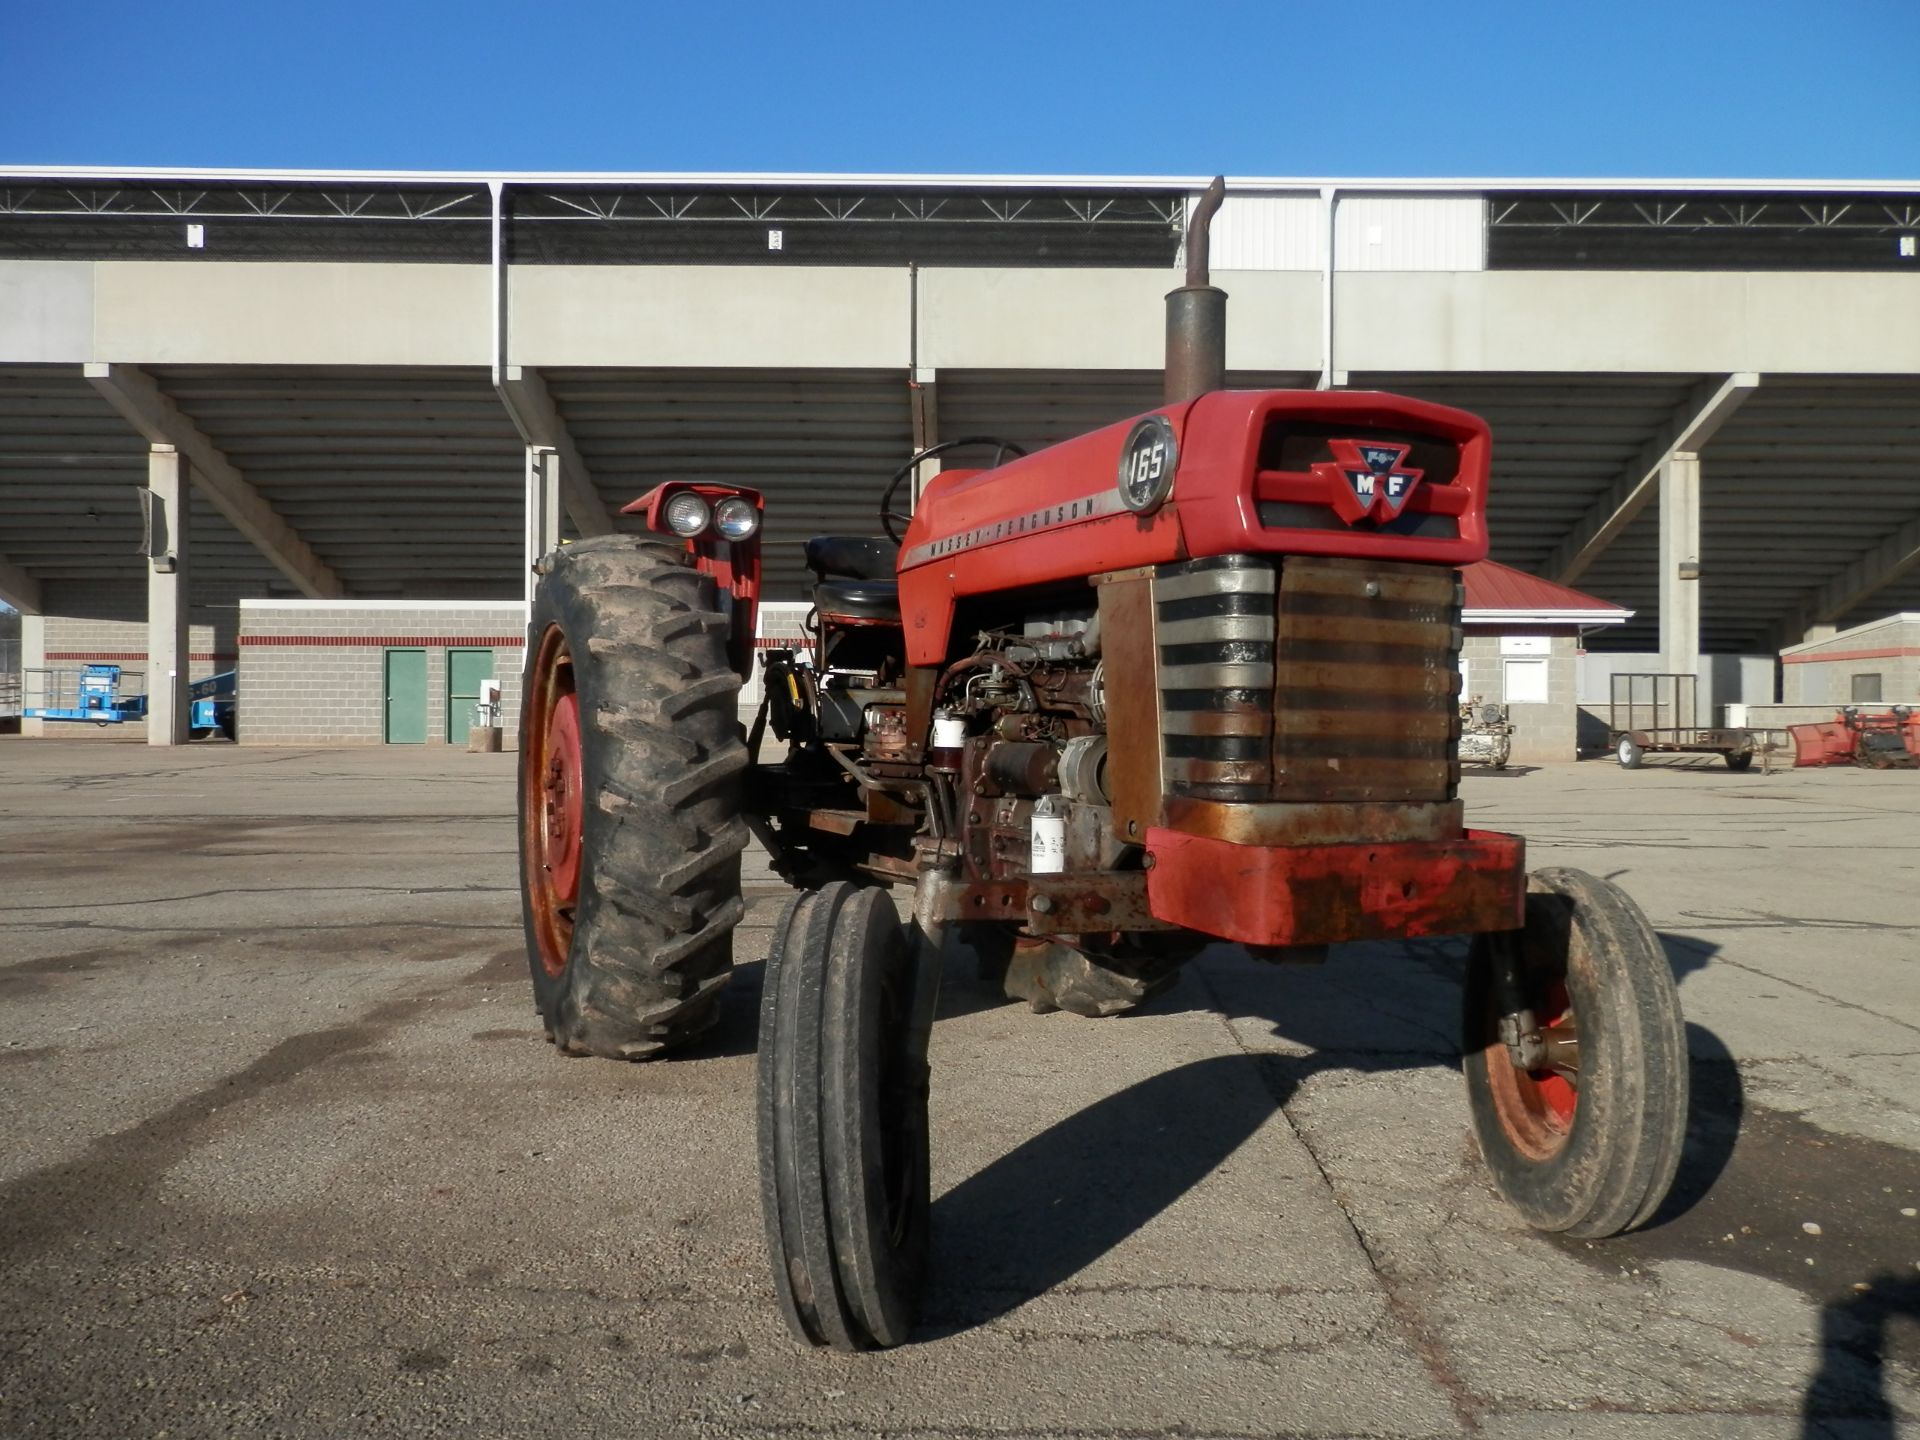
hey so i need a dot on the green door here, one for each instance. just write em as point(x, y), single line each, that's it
point(465, 670)
point(406, 697)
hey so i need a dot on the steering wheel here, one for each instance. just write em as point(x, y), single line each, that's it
point(890, 517)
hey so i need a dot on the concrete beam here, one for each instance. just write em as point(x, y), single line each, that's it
point(1693, 423)
point(1868, 573)
point(18, 588)
point(530, 406)
point(151, 411)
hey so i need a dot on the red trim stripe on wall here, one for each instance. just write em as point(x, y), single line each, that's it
point(1891, 652)
point(249, 642)
point(104, 656)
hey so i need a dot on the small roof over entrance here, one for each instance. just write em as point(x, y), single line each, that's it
point(1501, 595)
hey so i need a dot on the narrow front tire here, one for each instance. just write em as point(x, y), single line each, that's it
point(842, 1101)
point(1588, 1143)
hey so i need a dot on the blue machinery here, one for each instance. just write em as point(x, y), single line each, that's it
point(212, 702)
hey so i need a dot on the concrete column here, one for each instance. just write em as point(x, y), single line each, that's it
point(33, 656)
point(542, 509)
point(923, 395)
point(1680, 571)
point(167, 598)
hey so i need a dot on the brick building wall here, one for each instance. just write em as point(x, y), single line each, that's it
point(1822, 672)
point(73, 644)
point(1544, 731)
point(313, 672)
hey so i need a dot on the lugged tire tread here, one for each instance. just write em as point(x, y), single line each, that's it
point(662, 755)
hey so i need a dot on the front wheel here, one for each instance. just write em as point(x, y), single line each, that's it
point(1587, 1141)
point(1738, 760)
point(842, 1100)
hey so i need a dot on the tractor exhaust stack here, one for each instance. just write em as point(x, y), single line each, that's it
point(1197, 312)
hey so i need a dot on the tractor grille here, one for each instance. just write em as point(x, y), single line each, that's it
point(1290, 448)
point(1308, 679)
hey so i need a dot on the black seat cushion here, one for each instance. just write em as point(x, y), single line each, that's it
point(857, 557)
point(858, 599)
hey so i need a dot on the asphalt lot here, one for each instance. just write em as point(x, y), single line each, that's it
point(286, 1154)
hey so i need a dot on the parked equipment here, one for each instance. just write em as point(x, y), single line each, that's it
point(1650, 712)
point(1486, 735)
point(1188, 678)
point(213, 705)
point(97, 700)
point(212, 702)
point(1889, 741)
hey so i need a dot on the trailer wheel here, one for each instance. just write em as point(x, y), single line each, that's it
point(1739, 760)
point(842, 1098)
point(1630, 753)
point(630, 828)
point(1588, 1144)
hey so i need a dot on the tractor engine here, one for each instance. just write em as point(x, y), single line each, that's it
point(1026, 762)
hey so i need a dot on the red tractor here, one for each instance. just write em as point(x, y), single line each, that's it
point(1188, 678)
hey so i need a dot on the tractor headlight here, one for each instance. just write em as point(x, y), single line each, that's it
point(687, 514)
point(736, 518)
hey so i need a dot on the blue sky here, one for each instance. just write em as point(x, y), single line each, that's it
point(1683, 88)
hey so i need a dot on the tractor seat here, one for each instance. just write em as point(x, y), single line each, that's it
point(867, 591)
point(877, 600)
point(857, 557)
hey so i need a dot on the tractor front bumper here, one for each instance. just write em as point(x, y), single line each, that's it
point(1321, 894)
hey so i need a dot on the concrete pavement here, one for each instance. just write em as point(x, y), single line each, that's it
point(287, 1155)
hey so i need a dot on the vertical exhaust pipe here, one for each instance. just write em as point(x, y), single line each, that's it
point(1197, 312)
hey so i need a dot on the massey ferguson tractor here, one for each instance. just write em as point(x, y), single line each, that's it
point(1189, 678)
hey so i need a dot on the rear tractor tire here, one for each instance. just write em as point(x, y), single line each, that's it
point(1587, 1144)
point(630, 827)
point(842, 1112)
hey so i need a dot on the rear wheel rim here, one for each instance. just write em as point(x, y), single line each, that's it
point(553, 783)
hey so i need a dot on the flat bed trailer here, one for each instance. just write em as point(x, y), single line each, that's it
point(1630, 747)
point(1650, 713)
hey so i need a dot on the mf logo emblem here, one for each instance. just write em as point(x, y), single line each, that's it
point(1368, 478)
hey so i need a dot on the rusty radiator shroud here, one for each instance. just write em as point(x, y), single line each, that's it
point(1293, 772)
point(1296, 700)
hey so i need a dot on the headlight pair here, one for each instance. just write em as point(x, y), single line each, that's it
point(688, 514)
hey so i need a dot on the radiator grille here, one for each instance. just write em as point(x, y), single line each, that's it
point(1308, 679)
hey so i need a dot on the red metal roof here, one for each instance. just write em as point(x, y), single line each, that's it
point(1513, 593)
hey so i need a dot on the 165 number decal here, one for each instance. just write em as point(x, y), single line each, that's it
point(1147, 462)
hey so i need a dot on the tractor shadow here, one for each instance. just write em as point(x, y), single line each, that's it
point(1067, 1197)
point(1062, 1200)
